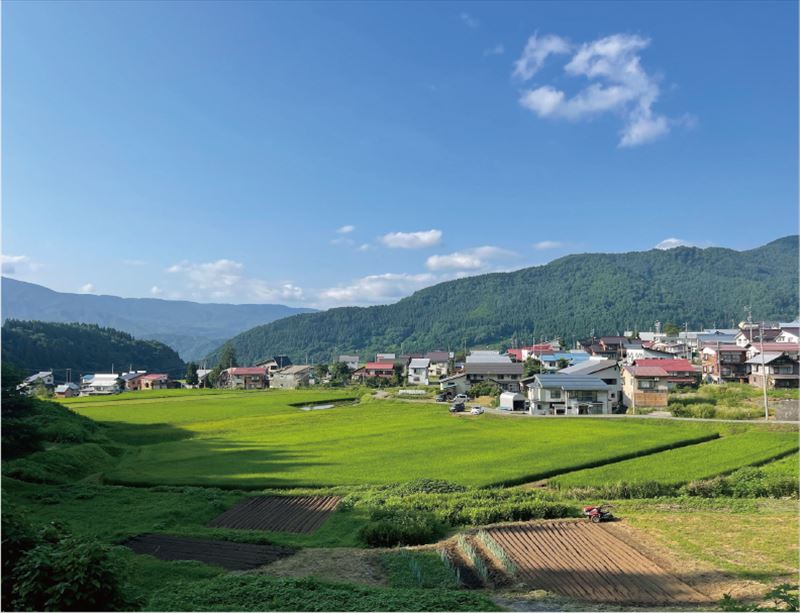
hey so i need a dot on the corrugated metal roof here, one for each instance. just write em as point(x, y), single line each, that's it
point(587, 367)
point(768, 357)
point(493, 368)
point(570, 382)
point(419, 363)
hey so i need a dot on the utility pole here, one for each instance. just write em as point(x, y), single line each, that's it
point(764, 375)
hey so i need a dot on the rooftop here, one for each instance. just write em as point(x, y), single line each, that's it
point(587, 367)
point(569, 382)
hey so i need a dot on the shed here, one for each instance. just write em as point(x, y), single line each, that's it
point(512, 401)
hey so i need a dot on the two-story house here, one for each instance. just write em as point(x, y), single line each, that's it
point(291, 377)
point(418, 371)
point(725, 363)
point(439, 364)
point(244, 377)
point(559, 394)
point(782, 370)
point(607, 370)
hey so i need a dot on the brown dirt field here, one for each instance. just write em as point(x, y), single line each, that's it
point(233, 556)
point(587, 562)
point(299, 514)
point(343, 565)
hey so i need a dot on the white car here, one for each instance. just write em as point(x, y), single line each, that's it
point(476, 410)
point(461, 398)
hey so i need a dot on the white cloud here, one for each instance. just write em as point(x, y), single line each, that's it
point(618, 84)
point(541, 245)
point(156, 291)
point(346, 229)
point(364, 247)
point(535, 53)
point(412, 240)
point(376, 289)
point(498, 49)
point(10, 263)
point(469, 20)
point(88, 288)
point(670, 243)
point(478, 258)
point(226, 280)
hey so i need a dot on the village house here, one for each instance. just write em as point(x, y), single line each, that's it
point(131, 381)
point(752, 333)
point(506, 375)
point(789, 334)
point(418, 371)
point(244, 378)
point(724, 363)
point(605, 370)
point(351, 361)
point(291, 377)
point(66, 390)
point(792, 349)
point(42, 378)
point(553, 361)
point(100, 384)
point(154, 382)
point(481, 356)
point(558, 394)
point(202, 377)
point(275, 364)
point(782, 370)
point(647, 383)
point(439, 364)
point(385, 357)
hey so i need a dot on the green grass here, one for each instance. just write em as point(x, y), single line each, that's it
point(785, 467)
point(256, 440)
point(678, 466)
point(418, 569)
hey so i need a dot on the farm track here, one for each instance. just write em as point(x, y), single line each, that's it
point(585, 562)
point(299, 514)
point(233, 556)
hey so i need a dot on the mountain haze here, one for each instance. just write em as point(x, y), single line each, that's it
point(193, 329)
point(569, 297)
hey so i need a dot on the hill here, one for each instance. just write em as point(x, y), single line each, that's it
point(568, 297)
point(193, 329)
point(85, 348)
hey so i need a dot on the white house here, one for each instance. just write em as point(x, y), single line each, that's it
point(440, 364)
point(788, 335)
point(606, 370)
point(559, 394)
point(44, 377)
point(100, 384)
point(418, 371)
point(351, 361)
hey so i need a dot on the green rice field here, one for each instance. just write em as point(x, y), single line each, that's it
point(256, 439)
point(702, 461)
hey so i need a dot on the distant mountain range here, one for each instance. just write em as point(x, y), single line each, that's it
point(569, 297)
point(193, 329)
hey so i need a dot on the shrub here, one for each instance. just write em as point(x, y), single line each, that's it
point(60, 465)
point(746, 482)
point(390, 527)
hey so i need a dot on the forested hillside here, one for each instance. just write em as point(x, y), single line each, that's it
point(569, 298)
point(85, 348)
point(191, 328)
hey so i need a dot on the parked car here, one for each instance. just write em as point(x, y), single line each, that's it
point(442, 397)
point(461, 398)
point(457, 407)
point(476, 410)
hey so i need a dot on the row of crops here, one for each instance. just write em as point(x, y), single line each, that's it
point(694, 462)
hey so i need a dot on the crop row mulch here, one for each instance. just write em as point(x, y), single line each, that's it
point(584, 561)
point(300, 514)
point(230, 555)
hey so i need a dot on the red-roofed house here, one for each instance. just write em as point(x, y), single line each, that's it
point(379, 369)
point(153, 382)
point(647, 382)
point(246, 378)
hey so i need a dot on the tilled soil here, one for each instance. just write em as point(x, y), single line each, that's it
point(230, 555)
point(584, 561)
point(300, 514)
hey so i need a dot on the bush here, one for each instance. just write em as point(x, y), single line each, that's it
point(54, 571)
point(624, 490)
point(746, 482)
point(60, 465)
point(390, 527)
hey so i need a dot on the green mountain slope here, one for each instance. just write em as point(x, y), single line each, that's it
point(85, 348)
point(568, 297)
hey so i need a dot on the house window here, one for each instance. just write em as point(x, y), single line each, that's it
point(584, 396)
point(555, 394)
point(646, 384)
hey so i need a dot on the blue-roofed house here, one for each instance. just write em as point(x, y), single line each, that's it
point(559, 394)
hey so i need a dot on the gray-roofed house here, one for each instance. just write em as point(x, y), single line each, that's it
point(607, 370)
point(418, 371)
point(560, 394)
point(67, 390)
point(291, 377)
point(782, 370)
point(506, 375)
point(439, 364)
point(481, 356)
point(41, 378)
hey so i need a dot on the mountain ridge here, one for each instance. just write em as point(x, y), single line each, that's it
point(568, 297)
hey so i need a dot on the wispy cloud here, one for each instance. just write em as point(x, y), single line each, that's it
point(226, 280)
point(88, 288)
point(11, 263)
point(156, 291)
point(376, 289)
point(671, 243)
point(345, 229)
point(343, 241)
point(542, 245)
point(469, 20)
point(617, 83)
point(536, 51)
point(477, 258)
point(411, 240)
point(498, 49)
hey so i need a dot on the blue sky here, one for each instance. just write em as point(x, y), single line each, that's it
point(328, 154)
